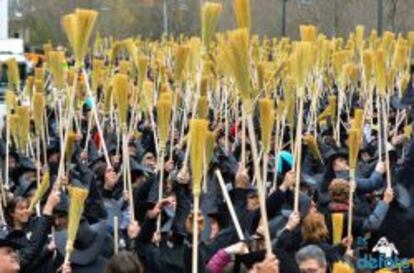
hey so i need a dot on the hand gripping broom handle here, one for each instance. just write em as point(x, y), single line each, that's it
point(95, 113)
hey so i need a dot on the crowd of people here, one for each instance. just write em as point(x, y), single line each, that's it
point(149, 225)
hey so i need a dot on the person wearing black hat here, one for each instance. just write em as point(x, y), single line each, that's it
point(9, 258)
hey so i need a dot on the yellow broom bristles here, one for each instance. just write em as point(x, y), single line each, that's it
point(39, 73)
point(29, 83)
point(359, 38)
point(369, 63)
point(301, 65)
point(142, 71)
point(243, 14)
point(238, 62)
point(77, 197)
point(210, 146)
point(337, 227)
point(342, 267)
point(11, 101)
point(148, 93)
point(13, 74)
point(308, 33)
point(14, 123)
point(24, 126)
point(97, 66)
point(210, 14)
point(312, 144)
point(70, 146)
point(381, 76)
point(124, 67)
point(120, 85)
point(400, 55)
point(358, 119)
point(181, 58)
point(198, 133)
point(132, 50)
point(202, 107)
point(78, 27)
point(38, 108)
point(204, 87)
point(261, 68)
point(354, 143)
point(40, 191)
point(164, 107)
point(408, 131)
point(38, 86)
point(107, 97)
point(267, 118)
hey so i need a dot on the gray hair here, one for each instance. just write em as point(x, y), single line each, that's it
point(311, 252)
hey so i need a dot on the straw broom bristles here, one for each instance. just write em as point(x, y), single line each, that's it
point(142, 71)
point(77, 197)
point(181, 58)
point(358, 119)
point(69, 24)
point(337, 227)
point(342, 267)
point(202, 107)
point(120, 85)
point(97, 66)
point(369, 63)
point(198, 130)
point(11, 101)
point(164, 107)
point(267, 118)
point(359, 38)
point(210, 14)
point(124, 67)
point(380, 72)
point(312, 144)
point(28, 86)
point(400, 55)
point(238, 61)
point(243, 14)
point(308, 33)
point(148, 93)
point(40, 191)
point(13, 74)
point(14, 123)
point(107, 97)
point(39, 86)
point(24, 126)
point(354, 143)
point(204, 87)
point(70, 146)
point(38, 108)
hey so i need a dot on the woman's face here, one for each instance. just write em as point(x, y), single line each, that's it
point(21, 213)
point(340, 164)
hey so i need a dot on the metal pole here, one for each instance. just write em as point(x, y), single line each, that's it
point(283, 18)
point(165, 17)
point(380, 16)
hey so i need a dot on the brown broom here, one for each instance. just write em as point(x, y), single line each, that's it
point(198, 129)
point(23, 127)
point(238, 61)
point(77, 197)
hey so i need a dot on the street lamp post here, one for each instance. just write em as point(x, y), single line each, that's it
point(380, 16)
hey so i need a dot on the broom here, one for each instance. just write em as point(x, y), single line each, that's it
point(210, 14)
point(23, 129)
point(40, 191)
point(312, 144)
point(198, 129)
point(354, 143)
point(13, 75)
point(238, 61)
point(267, 118)
point(120, 85)
point(38, 108)
point(77, 197)
point(163, 123)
